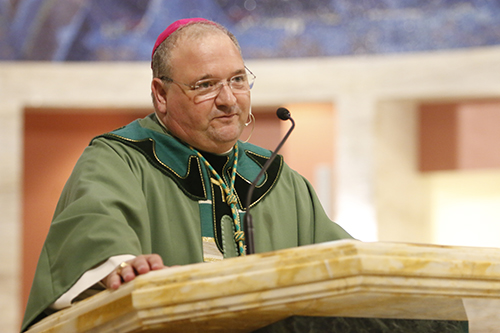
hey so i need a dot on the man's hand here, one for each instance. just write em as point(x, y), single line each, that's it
point(128, 270)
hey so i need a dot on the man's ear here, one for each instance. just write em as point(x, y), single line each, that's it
point(159, 94)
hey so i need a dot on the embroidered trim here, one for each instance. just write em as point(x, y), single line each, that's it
point(192, 192)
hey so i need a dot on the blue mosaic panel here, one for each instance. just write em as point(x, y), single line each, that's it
point(125, 30)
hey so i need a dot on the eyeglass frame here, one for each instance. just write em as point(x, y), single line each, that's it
point(220, 84)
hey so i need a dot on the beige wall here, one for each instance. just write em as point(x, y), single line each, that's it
point(465, 207)
point(378, 193)
point(310, 149)
point(401, 197)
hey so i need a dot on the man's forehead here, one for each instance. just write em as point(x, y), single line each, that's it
point(205, 46)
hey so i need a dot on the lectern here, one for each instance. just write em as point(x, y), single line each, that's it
point(344, 279)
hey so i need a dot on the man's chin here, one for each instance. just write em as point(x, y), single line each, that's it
point(227, 141)
point(228, 133)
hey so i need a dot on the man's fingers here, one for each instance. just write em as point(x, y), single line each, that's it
point(140, 265)
point(128, 270)
point(145, 263)
point(114, 281)
point(155, 262)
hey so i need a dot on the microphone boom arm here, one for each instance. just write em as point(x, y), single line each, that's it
point(283, 114)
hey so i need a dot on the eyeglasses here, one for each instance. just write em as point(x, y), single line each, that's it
point(210, 88)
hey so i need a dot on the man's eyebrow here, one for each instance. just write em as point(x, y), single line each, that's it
point(239, 71)
point(210, 76)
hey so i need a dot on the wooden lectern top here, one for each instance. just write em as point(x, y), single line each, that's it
point(344, 278)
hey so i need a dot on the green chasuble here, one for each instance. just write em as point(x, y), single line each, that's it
point(138, 190)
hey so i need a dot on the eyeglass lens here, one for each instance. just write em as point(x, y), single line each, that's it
point(208, 89)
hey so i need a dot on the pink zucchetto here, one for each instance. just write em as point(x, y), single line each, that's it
point(174, 27)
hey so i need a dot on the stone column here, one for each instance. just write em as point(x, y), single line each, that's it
point(355, 178)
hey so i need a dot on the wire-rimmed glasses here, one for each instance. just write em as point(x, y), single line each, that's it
point(209, 88)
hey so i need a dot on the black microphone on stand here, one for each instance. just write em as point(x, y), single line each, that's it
point(283, 114)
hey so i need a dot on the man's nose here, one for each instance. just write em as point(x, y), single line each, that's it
point(226, 96)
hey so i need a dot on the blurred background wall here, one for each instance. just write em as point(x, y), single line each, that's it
point(397, 105)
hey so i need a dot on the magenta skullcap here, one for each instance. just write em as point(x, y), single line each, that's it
point(174, 27)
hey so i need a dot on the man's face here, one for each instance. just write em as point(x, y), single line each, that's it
point(212, 125)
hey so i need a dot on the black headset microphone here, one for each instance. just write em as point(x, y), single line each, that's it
point(283, 114)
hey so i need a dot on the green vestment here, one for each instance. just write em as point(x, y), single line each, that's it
point(138, 190)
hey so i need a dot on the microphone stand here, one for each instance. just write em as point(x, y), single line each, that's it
point(283, 114)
